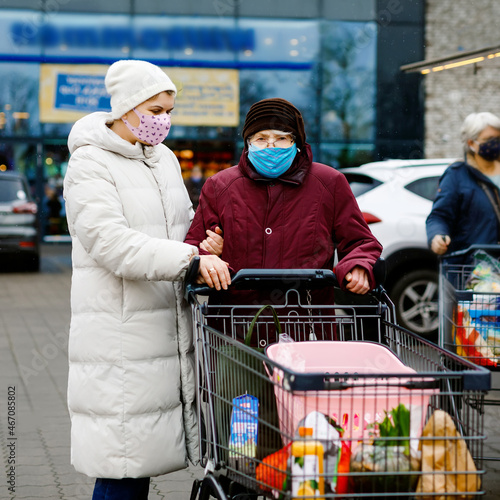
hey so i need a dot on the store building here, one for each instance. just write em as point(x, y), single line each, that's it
point(337, 60)
point(454, 26)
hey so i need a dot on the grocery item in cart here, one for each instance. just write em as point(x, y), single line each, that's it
point(272, 472)
point(325, 431)
point(307, 465)
point(244, 430)
point(387, 453)
point(485, 276)
point(468, 336)
point(447, 465)
point(335, 452)
point(360, 404)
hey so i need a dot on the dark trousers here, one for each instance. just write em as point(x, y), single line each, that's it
point(121, 489)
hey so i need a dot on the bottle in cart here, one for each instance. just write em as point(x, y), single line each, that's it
point(307, 465)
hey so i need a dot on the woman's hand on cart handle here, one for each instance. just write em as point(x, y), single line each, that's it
point(357, 281)
point(214, 272)
point(440, 243)
point(214, 242)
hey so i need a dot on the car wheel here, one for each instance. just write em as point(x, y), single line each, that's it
point(415, 296)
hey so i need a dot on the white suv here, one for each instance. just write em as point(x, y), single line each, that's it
point(396, 197)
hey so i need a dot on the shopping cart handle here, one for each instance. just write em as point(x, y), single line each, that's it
point(264, 279)
point(261, 279)
point(465, 251)
point(380, 272)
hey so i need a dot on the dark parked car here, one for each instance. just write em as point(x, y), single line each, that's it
point(19, 227)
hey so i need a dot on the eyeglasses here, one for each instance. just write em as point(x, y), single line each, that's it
point(278, 142)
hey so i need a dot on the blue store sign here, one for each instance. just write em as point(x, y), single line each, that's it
point(85, 93)
point(150, 38)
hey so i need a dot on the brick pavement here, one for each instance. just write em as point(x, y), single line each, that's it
point(34, 320)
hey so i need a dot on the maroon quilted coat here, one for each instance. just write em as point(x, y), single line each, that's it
point(295, 221)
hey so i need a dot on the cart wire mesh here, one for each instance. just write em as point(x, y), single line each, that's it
point(265, 419)
point(469, 319)
point(469, 304)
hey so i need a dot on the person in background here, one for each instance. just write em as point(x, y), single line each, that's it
point(279, 209)
point(131, 389)
point(54, 207)
point(466, 210)
point(194, 184)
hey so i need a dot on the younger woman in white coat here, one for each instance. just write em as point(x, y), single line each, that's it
point(131, 390)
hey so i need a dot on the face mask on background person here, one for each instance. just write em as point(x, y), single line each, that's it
point(152, 129)
point(490, 149)
point(272, 162)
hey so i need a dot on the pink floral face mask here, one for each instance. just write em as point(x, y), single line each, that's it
point(153, 129)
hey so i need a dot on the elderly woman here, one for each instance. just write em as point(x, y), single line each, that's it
point(280, 209)
point(466, 210)
point(131, 389)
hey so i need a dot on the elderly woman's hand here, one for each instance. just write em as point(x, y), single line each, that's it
point(440, 243)
point(357, 281)
point(214, 272)
point(214, 242)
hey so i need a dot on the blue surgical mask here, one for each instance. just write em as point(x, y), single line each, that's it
point(272, 162)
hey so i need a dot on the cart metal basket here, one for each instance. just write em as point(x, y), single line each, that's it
point(283, 423)
point(469, 316)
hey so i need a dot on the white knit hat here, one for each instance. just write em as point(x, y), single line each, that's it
point(131, 82)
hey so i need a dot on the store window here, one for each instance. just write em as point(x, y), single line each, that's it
point(22, 157)
point(52, 208)
point(199, 40)
point(325, 68)
point(19, 100)
point(283, 42)
point(348, 91)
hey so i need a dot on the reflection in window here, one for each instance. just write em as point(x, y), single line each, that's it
point(296, 86)
point(21, 157)
point(341, 155)
point(19, 99)
point(61, 130)
point(348, 90)
point(286, 41)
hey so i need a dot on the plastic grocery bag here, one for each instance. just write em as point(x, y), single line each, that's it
point(470, 343)
point(329, 436)
point(447, 465)
point(387, 453)
point(485, 276)
point(282, 470)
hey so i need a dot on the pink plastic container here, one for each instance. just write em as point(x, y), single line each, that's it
point(354, 408)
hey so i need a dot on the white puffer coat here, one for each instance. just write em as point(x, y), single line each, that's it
point(131, 390)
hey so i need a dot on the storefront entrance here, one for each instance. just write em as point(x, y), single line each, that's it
point(45, 165)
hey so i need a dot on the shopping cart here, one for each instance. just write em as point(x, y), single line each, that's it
point(469, 309)
point(283, 422)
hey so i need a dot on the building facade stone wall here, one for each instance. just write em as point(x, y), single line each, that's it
point(450, 95)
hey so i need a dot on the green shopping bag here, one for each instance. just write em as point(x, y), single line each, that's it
point(238, 372)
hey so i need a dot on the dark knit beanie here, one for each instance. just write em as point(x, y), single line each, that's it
point(274, 114)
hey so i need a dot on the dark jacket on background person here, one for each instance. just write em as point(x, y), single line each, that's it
point(294, 221)
point(194, 188)
point(462, 210)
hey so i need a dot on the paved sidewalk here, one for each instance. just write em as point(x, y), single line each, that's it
point(34, 321)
